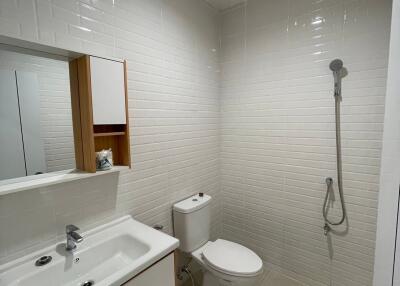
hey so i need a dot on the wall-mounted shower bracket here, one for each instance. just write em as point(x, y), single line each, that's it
point(327, 229)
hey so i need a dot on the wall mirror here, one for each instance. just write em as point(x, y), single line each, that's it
point(59, 111)
point(36, 130)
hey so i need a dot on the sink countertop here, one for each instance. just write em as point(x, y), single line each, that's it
point(110, 254)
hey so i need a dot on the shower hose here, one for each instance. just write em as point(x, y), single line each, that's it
point(329, 181)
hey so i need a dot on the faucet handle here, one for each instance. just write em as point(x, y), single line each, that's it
point(70, 228)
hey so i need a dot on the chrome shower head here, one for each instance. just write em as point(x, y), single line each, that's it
point(336, 65)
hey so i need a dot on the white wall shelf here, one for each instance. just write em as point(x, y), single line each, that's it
point(39, 181)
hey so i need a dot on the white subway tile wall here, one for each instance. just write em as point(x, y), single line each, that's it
point(171, 48)
point(55, 105)
point(224, 4)
point(278, 132)
point(254, 104)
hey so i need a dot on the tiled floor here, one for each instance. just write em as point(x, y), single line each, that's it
point(273, 278)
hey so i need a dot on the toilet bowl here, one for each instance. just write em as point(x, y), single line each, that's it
point(225, 263)
point(228, 263)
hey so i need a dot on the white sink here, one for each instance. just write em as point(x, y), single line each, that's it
point(109, 255)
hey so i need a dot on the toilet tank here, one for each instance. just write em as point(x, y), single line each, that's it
point(192, 221)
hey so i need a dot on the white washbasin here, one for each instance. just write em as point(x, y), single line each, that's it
point(109, 255)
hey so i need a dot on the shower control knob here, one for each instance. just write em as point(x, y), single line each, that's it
point(201, 195)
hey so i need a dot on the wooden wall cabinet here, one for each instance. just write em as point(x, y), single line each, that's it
point(99, 110)
point(161, 273)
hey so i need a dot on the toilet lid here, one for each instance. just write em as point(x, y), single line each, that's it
point(232, 258)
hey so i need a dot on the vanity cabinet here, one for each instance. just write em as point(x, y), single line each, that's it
point(159, 274)
point(99, 110)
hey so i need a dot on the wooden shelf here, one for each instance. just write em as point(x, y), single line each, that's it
point(89, 137)
point(103, 134)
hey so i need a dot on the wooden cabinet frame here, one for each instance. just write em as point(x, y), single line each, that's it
point(89, 138)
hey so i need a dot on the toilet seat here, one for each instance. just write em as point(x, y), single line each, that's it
point(232, 258)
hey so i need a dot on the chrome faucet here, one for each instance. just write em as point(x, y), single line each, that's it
point(72, 237)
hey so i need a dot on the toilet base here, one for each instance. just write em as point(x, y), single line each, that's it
point(209, 279)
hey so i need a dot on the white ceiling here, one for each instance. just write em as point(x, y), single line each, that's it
point(224, 4)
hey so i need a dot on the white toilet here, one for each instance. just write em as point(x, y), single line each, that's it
point(225, 262)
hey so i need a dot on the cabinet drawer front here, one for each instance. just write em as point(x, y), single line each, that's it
point(160, 274)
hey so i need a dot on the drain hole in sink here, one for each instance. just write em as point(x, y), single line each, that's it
point(43, 260)
point(88, 283)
